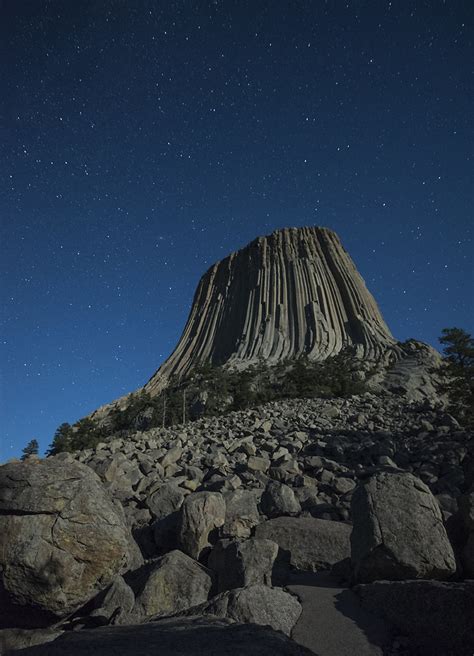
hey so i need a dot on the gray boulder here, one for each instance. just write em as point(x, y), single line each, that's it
point(171, 584)
point(279, 499)
point(115, 606)
point(242, 563)
point(308, 543)
point(257, 604)
point(437, 616)
point(14, 639)
point(398, 531)
point(168, 637)
point(172, 456)
point(62, 540)
point(167, 499)
point(241, 514)
point(201, 514)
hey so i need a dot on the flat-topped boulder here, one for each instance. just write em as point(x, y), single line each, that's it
point(308, 543)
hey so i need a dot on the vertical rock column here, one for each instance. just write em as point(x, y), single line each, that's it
point(291, 293)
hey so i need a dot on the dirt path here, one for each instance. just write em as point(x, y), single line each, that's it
point(332, 623)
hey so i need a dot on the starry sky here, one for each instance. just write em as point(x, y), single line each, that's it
point(142, 141)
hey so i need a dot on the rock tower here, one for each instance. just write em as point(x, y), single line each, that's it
point(294, 292)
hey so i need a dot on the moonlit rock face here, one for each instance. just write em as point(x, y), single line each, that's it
point(295, 292)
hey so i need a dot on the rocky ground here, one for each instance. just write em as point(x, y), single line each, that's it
point(341, 526)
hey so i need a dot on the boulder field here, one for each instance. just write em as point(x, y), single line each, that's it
point(304, 526)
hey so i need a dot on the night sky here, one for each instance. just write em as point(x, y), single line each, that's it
point(142, 140)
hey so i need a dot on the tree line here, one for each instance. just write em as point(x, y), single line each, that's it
point(212, 390)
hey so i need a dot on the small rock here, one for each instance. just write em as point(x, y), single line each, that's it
point(256, 463)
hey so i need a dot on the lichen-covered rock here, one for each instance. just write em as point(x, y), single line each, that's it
point(308, 543)
point(173, 583)
point(201, 514)
point(62, 540)
point(242, 563)
point(398, 531)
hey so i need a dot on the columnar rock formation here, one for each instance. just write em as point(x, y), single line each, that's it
point(291, 293)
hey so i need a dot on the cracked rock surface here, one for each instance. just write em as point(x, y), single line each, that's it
point(62, 539)
point(398, 531)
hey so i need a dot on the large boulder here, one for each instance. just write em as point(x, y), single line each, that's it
point(437, 616)
point(62, 540)
point(242, 563)
point(256, 604)
point(173, 583)
point(398, 531)
point(168, 637)
point(201, 514)
point(308, 543)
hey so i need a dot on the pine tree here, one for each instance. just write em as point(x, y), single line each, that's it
point(61, 440)
point(459, 373)
point(31, 449)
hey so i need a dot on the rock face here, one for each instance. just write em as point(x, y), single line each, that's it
point(291, 293)
point(398, 531)
point(62, 540)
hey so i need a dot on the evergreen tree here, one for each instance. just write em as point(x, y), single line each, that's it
point(31, 449)
point(458, 380)
point(62, 440)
